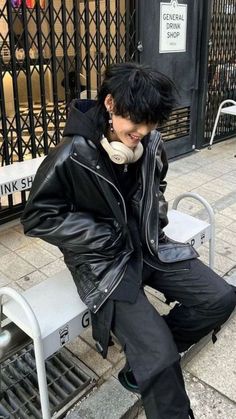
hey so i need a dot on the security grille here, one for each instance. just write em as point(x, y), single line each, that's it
point(221, 67)
point(50, 53)
point(67, 382)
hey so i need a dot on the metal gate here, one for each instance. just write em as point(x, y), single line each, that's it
point(180, 62)
point(51, 52)
point(221, 83)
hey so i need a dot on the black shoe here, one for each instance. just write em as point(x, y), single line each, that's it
point(126, 378)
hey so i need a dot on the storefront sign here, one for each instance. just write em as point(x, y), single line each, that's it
point(173, 27)
point(9, 188)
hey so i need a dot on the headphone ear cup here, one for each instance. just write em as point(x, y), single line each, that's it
point(137, 152)
point(122, 152)
point(119, 153)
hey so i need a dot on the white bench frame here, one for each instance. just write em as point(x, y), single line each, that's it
point(38, 346)
point(211, 217)
point(13, 176)
point(36, 318)
point(228, 110)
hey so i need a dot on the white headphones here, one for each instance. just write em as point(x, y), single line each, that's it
point(119, 153)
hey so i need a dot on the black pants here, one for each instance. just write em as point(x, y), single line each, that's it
point(152, 343)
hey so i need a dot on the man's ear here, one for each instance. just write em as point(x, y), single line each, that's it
point(109, 103)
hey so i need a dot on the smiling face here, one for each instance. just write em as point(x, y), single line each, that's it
point(125, 130)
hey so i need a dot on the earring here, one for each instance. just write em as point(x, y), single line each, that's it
point(110, 121)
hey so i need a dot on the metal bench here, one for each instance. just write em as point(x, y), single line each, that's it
point(188, 229)
point(51, 313)
point(225, 110)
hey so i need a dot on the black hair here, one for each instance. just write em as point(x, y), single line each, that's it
point(139, 92)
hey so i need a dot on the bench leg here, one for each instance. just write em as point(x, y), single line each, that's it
point(214, 129)
point(42, 379)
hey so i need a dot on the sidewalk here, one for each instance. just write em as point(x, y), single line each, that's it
point(211, 373)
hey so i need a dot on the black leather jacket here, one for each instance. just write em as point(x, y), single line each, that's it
point(75, 204)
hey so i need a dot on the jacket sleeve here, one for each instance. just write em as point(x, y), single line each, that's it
point(163, 205)
point(49, 214)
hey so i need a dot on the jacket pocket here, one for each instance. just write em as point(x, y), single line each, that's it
point(175, 252)
point(85, 280)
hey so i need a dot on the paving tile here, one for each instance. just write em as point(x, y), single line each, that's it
point(110, 401)
point(224, 256)
point(206, 402)
point(227, 235)
point(115, 352)
point(4, 280)
point(210, 196)
point(204, 254)
point(233, 207)
point(190, 206)
point(230, 178)
point(141, 414)
point(224, 203)
point(211, 172)
point(19, 227)
point(50, 248)
point(16, 287)
point(222, 187)
point(226, 249)
point(222, 263)
point(215, 364)
point(219, 272)
point(14, 267)
point(36, 255)
point(4, 250)
point(13, 239)
point(230, 213)
point(197, 179)
point(54, 267)
point(230, 277)
point(89, 356)
point(31, 279)
point(10, 224)
point(161, 307)
point(172, 192)
point(232, 226)
point(222, 221)
point(86, 335)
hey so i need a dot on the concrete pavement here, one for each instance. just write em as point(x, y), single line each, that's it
point(211, 373)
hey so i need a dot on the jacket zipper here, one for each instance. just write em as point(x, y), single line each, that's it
point(125, 216)
point(149, 206)
point(146, 230)
point(108, 181)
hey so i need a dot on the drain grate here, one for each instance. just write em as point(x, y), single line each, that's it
point(67, 380)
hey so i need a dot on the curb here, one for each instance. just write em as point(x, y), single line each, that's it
point(110, 400)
